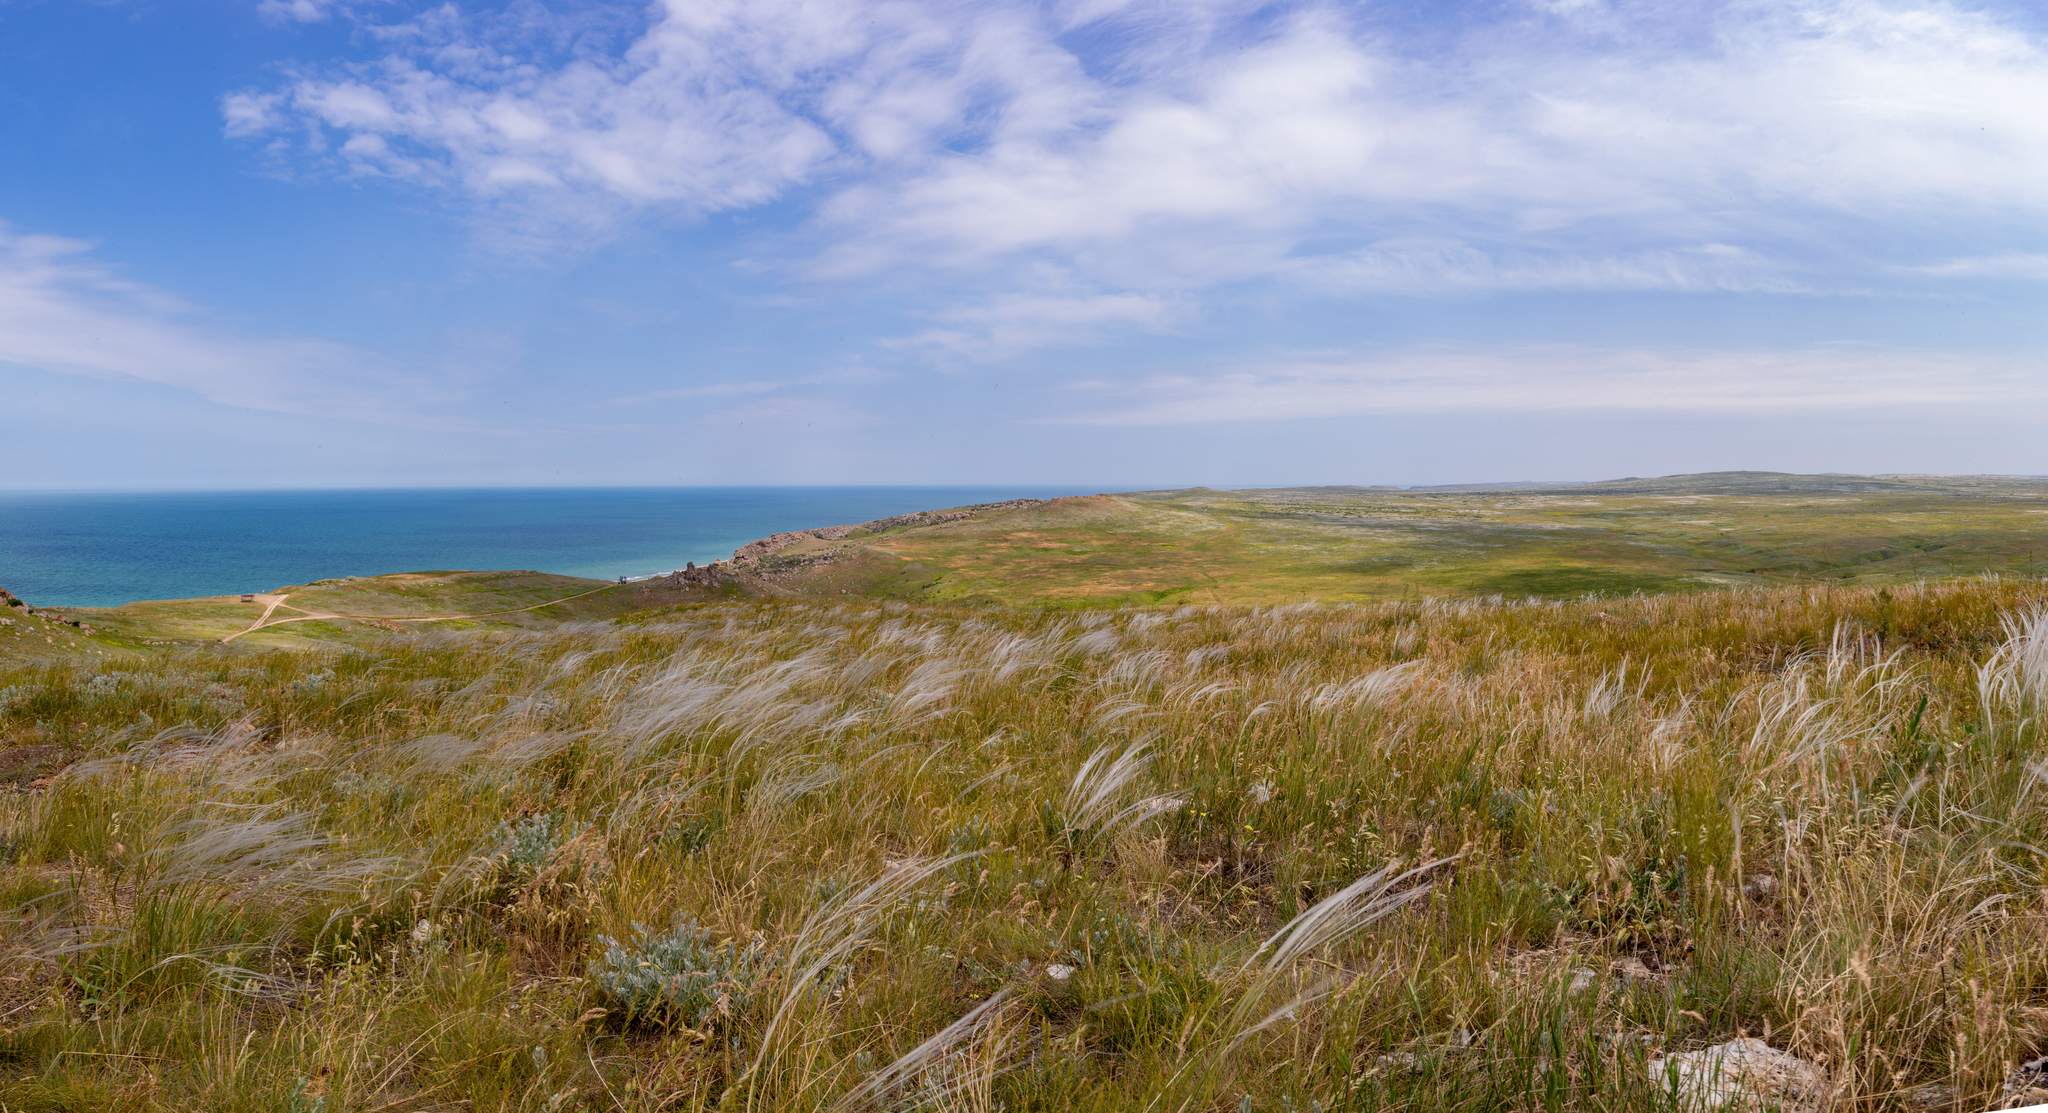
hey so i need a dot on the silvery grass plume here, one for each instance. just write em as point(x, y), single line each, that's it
point(1092, 803)
point(2016, 674)
point(929, 1059)
point(1820, 707)
point(1608, 693)
point(830, 936)
point(284, 857)
point(440, 753)
point(1344, 913)
point(46, 934)
point(1340, 917)
point(276, 865)
point(804, 697)
point(1364, 691)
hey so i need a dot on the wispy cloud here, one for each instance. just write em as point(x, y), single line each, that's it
point(792, 415)
point(1558, 378)
point(1008, 325)
point(1154, 146)
point(812, 386)
point(708, 390)
point(2015, 266)
point(1428, 266)
point(61, 311)
point(311, 11)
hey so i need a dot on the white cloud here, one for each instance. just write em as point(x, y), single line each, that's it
point(2015, 266)
point(1010, 324)
point(1560, 378)
point(1528, 138)
point(719, 105)
point(710, 390)
point(294, 11)
point(1157, 146)
point(62, 312)
point(307, 11)
point(791, 414)
point(1420, 265)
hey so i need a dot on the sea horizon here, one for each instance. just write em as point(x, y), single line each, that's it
point(101, 548)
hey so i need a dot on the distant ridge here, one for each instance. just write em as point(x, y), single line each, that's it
point(1516, 485)
point(1709, 482)
point(1772, 482)
point(1748, 482)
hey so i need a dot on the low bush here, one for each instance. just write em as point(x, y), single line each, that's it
point(678, 975)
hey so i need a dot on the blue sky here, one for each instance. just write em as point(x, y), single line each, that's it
point(253, 243)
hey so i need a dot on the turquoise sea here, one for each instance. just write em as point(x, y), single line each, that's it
point(80, 549)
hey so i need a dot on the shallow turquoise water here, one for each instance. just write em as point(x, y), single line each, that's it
point(102, 549)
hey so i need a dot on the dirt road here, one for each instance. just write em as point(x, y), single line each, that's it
point(273, 602)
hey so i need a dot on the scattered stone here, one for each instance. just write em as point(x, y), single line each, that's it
point(22, 763)
point(1417, 1062)
point(1399, 1062)
point(1058, 972)
point(1632, 1041)
point(1631, 971)
point(2026, 1086)
point(1742, 1076)
point(1582, 980)
point(1934, 1095)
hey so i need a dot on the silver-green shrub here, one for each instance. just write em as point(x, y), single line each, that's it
point(677, 975)
point(525, 848)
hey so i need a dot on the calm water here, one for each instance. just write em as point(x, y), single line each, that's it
point(102, 549)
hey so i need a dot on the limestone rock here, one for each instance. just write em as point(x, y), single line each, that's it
point(1741, 1076)
point(2026, 1086)
point(1631, 971)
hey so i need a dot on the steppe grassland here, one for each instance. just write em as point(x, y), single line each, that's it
point(518, 599)
point(1359, 545)
point(405, 874)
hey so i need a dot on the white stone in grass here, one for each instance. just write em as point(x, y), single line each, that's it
point(1740, 1076)
point(2028, 1084)
point(1059, 973)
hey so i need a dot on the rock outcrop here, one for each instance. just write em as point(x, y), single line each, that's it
point(754, 552)
point(756, 555)
point(1740, 1076)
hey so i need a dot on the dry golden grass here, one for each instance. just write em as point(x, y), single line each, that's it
point(1434, 855)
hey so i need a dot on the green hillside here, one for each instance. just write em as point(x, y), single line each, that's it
point(1680, 533)
point(341, 612)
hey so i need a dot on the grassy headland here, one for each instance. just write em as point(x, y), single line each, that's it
point(356, 609)
point(793, 853)
point(1358, 544)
